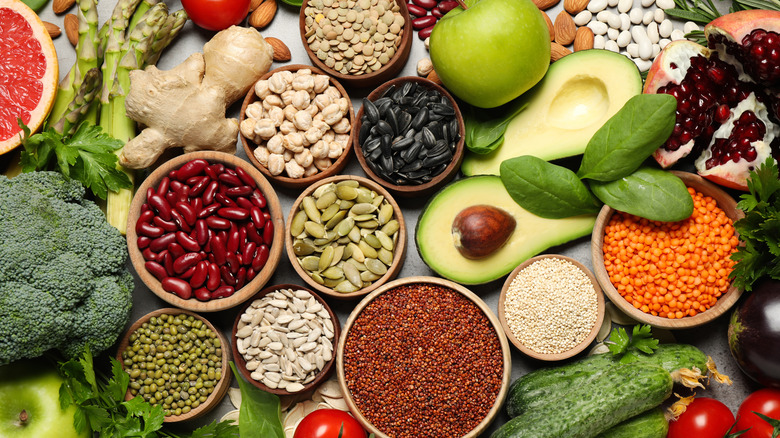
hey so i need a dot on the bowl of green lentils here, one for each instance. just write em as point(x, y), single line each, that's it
point(178, 360)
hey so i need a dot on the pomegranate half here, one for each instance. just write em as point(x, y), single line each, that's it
point(727, 103)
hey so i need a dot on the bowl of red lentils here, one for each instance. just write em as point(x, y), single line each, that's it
point(672, 275)
point(423, 357)
point(551, 307)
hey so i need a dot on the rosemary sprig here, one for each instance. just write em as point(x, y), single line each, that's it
point(772, 5)
point(698, 11)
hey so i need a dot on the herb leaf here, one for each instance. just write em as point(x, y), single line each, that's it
point(260, 412)
point(545, 189)
point(649, 193)
point(621, 145)
point(485, 127)
point(620, 345)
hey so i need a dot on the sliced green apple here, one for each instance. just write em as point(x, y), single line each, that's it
point(578, 94)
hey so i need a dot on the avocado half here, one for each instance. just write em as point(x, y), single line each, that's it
point(578, 94)
point(532, 234)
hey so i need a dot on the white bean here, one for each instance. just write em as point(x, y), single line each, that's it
point(656, 50)
point(598, 27)
point(614, 21)
point(633, 50)
point(665, 28)
point(625, 5)
point(612, 34)
point(599, 42)
point(647, 3)
point(659, 15)
point(664, 42)
point(648, 18)
point(595, 6)
point(624, 38)
point(583, 18)
point(677, 34)
point(612, 3)
point(635, 16)
point(652, 32)
point(638, 34)
point(690, 26)
point(611, 46)
point(643, 65)
point(645, 49)
point(665, 4)
point(603, 16)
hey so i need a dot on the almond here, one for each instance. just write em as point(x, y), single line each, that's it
point(71, 23)
point(583, 39)
point(53, 30)
point(433, 77)
point(60, 6)
point(545, 4)
point(281, 51)
point(262, 16)
point(565, 29)
point(557, 51)
point(254, 4)
point(549, 25)
point(574, 7)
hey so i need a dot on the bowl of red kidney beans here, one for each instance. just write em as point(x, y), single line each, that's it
point(205, 231)
point(425, 14)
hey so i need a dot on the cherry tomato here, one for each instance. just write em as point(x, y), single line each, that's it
point(216, 14)
point(704, 418)
point(764, 401)
point(326, 423)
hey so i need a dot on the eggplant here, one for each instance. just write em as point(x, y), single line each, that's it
point(754, 334)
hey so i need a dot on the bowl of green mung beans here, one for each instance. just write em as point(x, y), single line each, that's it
point(178, 360)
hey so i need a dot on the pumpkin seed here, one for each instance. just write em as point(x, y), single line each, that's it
point(354, 235)
point(337, 217)
point(352, 274)
point(303, 247)
point(385, 240)
point(348, 183)
point(338, 253)
point(364, 196)
point(296, 226)
point(360, 266)
point(378, 200)
point(391, 227)
point(325, 258)
point(367, 250)
point(346, 287)
point(357, 253)
point(346, 193)
point(333, 273)
point(363, 217)
point(385, 256)
point(373, 241)
point(329, 212)
point(385, 214)
point(326, 200)
point(314, 229)
point(343, 240)
point(317, 277)
point(375, 266)
point(346, 205)
point(372, 224)
point(363, 209)
point(310, 207)
point(345, 226)
point(310, 263)
point(369, 276)
point(321, 190)
point(331, 282)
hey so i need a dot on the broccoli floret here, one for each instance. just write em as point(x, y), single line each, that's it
point(64, 280)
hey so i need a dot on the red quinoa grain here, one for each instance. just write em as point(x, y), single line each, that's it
point(422, 360)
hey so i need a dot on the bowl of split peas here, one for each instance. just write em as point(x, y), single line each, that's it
point(673, 275)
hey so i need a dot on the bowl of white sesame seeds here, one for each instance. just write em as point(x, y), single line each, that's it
point(551, 307)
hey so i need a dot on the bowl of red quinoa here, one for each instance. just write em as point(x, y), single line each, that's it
point(672, 275)
point(551, 307)
point(423, 357)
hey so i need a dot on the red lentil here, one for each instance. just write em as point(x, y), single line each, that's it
point(422, 360)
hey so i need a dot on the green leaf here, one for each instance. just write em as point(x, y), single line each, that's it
point(641, 340)
point(296, 3)
point(650, 193)
point(772, 422)
point(545, 189)
point(485, 127)
point(222, 429)
point(260, 412)
point(618, 341)
point(629, 137)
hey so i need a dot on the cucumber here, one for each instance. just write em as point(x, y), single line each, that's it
point(591, 408)
point(541, 384)
point(649, 424)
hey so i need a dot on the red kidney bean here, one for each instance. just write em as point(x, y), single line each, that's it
point(229, 179)
point(230, 171)
point(425, 33)
point(416, 10)
point(258, 199)
point(250, 274)
point(244, 203)
point(148, 230)
point(235, 192)
point(146, 216)
point(185, 262)
point(212, 172)
point(148, 254)
point(202, 294)
point(199, 185)
point(267, 216)
point(218, 249)
point(437, 13)
point(197, 205)
point(427, 4)
point(162, 242)
point(233, 239)
point(202, 232)
point(423, 22)
point(168, 226)
point(233, 213)
point(180, 221)
point(224, 200)
point(161, 205)
point(248, 253)
point(227, 276)
point(190, 169)
point(257, 217)
point(223, 235)
point(242, 240)
point(217, 223)
point(183, 195)
point(172, 174)
point(252, 234)
point(214, 279)
point(175, 186)
point(177, 286)
point(156, 269)
point(144, 208)
point(209, 192)
point(186, 275)
point(149, 192)
point(268, 233)
point(176, 250)
point(171, 197)
point(187, 212)
point(208, 211)
point(245, 177)
point(233, 262)
point(186, 241)
point(223, 292)
point(447, 5)
point(240, 277)
point(167, 261)
point(191, 181)
point(143, 242)
point(261, 257)
point(198, 278)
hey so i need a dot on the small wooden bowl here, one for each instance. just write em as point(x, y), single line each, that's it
point(281, 180)
point(507, 359)
point(398, 254)
point(222, 385)
point(323, 375)
point(249, 289)
point(385, 73)
point(725, 302)
point(551, 356)
point(439, 180)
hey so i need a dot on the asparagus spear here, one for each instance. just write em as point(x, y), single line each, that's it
point(163, 38)
point(88, 89)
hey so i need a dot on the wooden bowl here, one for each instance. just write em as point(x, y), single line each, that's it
point(551, 356)
point(222, 385)
point(323, 375)
point(507, 369)
point(285, 181)
point(250, 288)
point(387, 72)
point(439, 180)
point(725, 302)
point(398, 255)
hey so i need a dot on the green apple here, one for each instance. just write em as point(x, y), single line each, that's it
point(29, 403)
point(492, 52)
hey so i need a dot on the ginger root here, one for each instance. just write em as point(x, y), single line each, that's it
point(185, 106)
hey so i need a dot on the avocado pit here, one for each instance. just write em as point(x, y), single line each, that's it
point(480, 230)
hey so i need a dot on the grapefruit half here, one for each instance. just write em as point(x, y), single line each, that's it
point(28, 72)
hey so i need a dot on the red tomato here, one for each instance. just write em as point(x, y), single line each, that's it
point(704, 418)
point(216, 14)
point(326, 423)
point(764, 401)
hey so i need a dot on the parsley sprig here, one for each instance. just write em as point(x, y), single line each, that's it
point(628, 348)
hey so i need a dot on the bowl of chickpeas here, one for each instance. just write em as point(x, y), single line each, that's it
point(672, 275)
point(296, 126)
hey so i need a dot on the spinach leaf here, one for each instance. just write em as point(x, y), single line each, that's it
point(629, 137)
point(545, 189)
point(485, 127)
point(649, 193)
point(260, 414)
